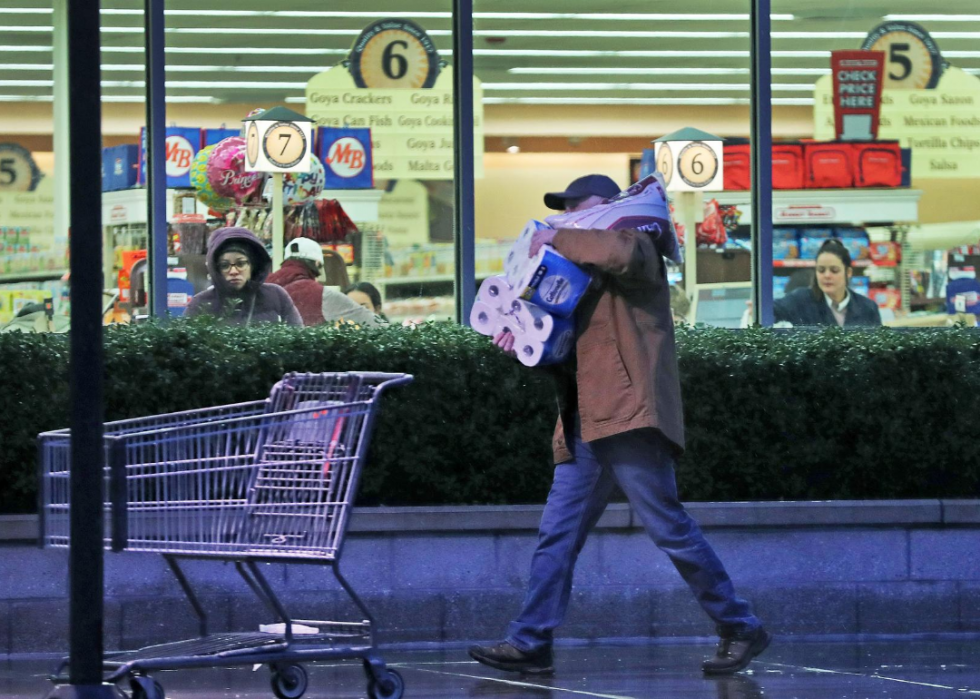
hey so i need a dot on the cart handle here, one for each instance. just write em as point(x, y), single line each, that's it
point(385, 380)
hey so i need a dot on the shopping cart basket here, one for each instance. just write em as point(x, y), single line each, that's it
point(266, 481)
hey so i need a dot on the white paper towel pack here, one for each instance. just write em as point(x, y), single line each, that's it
point(643, 206)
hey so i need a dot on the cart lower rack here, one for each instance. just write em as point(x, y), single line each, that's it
point(269, 480)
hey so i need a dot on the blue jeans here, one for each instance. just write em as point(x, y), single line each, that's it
point(641, 463)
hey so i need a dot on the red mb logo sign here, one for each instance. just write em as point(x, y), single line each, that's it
point(347, 157)
point(180, 155)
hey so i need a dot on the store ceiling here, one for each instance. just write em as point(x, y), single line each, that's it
point(243, 52)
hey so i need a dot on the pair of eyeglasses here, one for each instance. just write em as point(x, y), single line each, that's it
point(239, 265)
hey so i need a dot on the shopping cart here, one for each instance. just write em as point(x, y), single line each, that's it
point(266, 481)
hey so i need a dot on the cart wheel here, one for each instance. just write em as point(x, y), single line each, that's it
point(289, 681)
point(396, 686)
point(144, 687)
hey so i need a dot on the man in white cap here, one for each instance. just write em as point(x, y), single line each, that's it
point(316, 303)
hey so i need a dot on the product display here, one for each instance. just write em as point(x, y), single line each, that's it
point(202, 185)
point(226, 171)
point(301, 187)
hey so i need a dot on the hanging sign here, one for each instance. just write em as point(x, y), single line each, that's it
point(857, 93)
point(395, 84)
point(278, 140)
point(394, 53)
point(912, 57)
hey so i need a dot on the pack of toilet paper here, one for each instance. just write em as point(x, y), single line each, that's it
point(643, 206)
point(540, 338)
point(547, 280)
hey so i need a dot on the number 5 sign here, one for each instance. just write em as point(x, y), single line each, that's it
point(278, 140)
point(690, 160)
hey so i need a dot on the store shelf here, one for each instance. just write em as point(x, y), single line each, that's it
point(427, 279)
point(32, 276)
point(832, 206)
point(813, 263)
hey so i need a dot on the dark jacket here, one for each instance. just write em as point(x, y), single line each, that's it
point(257, 302)
point(315, 303)
point(800, 307)
point(626, 374)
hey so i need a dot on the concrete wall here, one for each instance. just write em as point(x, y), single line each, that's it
point(458, 573)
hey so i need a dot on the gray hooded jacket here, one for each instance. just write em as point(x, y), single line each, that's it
point(257, 302)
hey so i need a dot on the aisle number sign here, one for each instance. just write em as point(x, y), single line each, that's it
point(394, 53)
point(18, 172)
point(278, 140)
point(395, 85)
point(690, 165)
point(912, 57)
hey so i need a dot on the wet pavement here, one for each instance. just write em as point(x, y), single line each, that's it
point(788, 670)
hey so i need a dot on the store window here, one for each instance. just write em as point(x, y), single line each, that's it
point(567, 94)
point(377, 79)
point(33, 216)
point(885, 171)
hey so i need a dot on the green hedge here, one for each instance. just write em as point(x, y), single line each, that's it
point(770, 415)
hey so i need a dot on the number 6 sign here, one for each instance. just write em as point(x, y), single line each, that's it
point(690, 161)
point(278, 140)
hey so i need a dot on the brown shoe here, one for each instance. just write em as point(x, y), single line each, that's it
point(734, 653)
point(504, 656)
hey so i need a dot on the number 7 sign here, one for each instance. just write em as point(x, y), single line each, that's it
point(278, 140)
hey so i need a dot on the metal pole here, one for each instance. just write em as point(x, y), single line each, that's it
point(278, 222)
point(465, 226)
point(156, 158)
point(761, 163)
point(85, 564)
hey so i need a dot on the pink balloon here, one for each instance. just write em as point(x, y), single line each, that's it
point(226, 171)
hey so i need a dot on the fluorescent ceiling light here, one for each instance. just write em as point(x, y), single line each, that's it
point(26, 98)
point(235, 50)
point(32, 49)
point(667, 87)
point(642, 100)
point(27, 66)
point(933, 18)
point(588, 16)
point(663, 71)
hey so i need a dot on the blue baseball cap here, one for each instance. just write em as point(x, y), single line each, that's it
point(587, 186)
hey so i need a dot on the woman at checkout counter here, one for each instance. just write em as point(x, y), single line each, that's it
point(828, 300)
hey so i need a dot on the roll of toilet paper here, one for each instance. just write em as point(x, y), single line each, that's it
point(496, 292)
point(538, 324)
point(508, 323)
point(644, 206)
point(484, 318)
point(516, 262)
point(553, 283)
point(554, 350)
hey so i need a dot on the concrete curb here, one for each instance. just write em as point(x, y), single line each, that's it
point(457, 518)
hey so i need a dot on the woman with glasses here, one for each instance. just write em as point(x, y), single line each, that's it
point(238, 265)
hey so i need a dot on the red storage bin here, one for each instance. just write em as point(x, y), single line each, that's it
point(738, 166)
point(877, 163)
point(788, 171)
point(829, 165)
